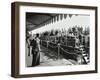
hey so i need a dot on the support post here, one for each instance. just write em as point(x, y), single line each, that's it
point(58, 50)
point(47, 43)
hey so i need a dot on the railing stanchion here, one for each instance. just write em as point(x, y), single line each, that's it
point(47, 43)
point(58, 50)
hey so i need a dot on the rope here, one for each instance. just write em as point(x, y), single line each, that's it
point(49, 44)
point(67, 52)
point(73, 53)
point(61, 48)
point(52, 46)
point(52, 42)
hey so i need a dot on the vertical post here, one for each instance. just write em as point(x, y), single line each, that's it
point(81, 59)
point(47, 43)
point(58, 50)
point(81, 54)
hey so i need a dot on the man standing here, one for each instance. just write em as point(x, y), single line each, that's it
point(35, 43)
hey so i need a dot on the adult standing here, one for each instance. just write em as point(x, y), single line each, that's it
point(35, 43)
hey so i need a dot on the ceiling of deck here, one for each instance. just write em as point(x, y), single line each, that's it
point(33, 20)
